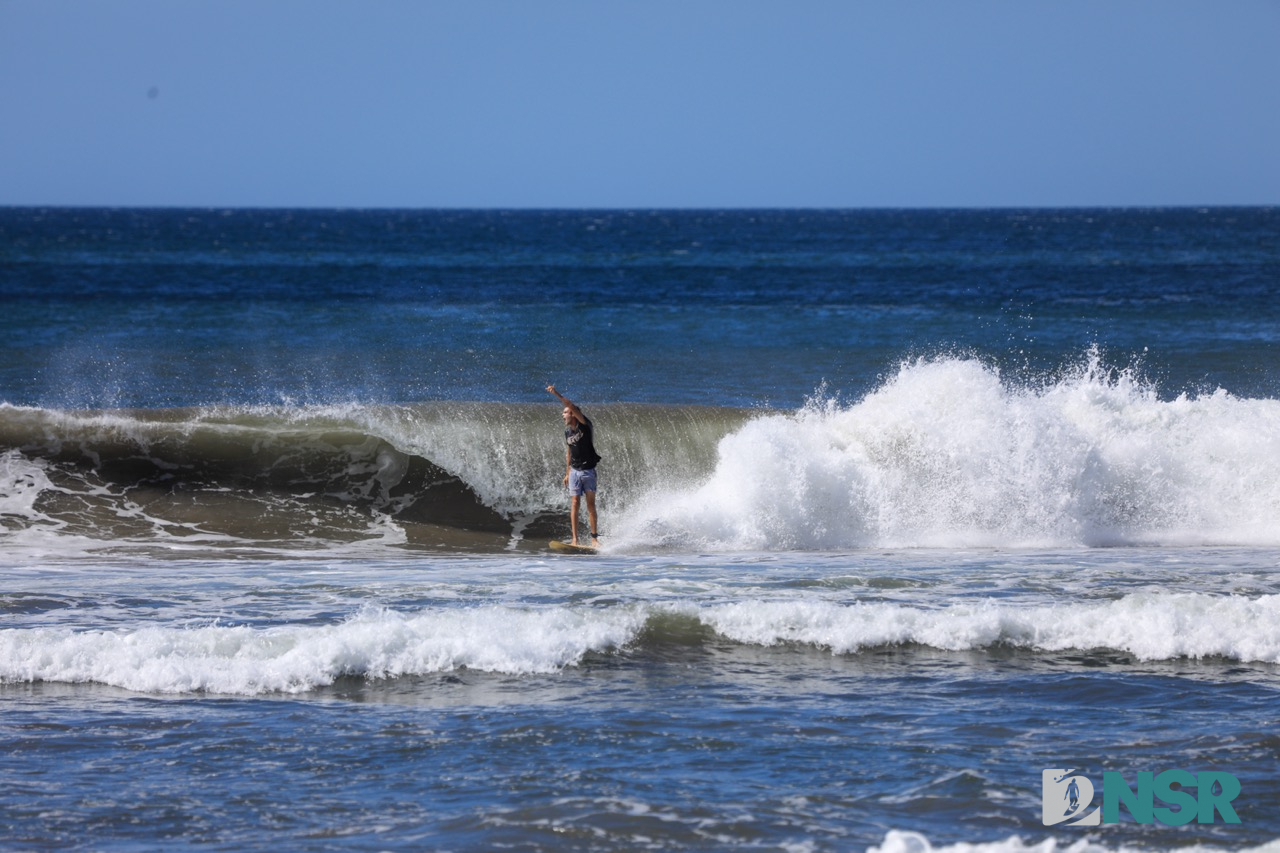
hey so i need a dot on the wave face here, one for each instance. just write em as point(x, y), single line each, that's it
point(463, 476)
point(945, 453)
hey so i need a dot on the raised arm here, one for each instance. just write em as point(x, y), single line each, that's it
point(568, 404)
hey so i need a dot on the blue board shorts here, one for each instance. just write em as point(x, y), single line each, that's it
point(582, 481)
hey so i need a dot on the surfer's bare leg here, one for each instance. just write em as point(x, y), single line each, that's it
point(591, 516)
point(573, 513)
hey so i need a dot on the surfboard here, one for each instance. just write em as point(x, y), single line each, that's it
point(566, 548)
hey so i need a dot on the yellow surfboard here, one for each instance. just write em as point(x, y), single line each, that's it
point(566, 548)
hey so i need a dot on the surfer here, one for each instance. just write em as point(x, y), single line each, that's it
point(580, 460)
point(1073, 791)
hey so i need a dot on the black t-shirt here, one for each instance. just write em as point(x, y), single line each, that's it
point(582, 451)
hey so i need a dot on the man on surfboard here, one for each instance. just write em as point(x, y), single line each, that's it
point(580, 460)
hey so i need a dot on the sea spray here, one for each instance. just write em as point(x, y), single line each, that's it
point(949, 453)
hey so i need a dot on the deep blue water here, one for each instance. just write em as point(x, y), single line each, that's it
point(161, 308)
point(902, 508)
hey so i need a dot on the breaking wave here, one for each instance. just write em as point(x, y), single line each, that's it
point(378, 643)
point(947, 452)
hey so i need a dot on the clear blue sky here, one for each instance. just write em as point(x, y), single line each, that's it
point(623, 103)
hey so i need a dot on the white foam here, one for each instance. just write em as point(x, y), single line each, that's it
point(948, 454)
point(899, 841)
point(1146, 625)
point(374, 644)
point(379, 643)
point(21, 482)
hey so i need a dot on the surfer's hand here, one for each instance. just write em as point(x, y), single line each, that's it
point(552, 389)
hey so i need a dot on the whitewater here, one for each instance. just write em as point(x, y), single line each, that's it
point(379, 644)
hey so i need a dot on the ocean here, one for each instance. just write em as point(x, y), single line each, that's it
point(907, 517)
